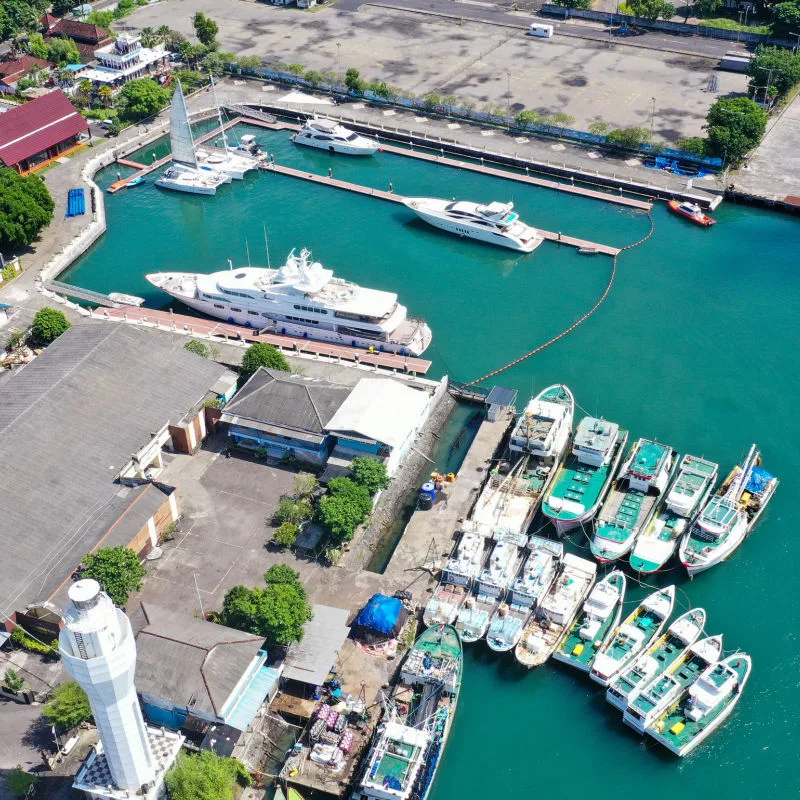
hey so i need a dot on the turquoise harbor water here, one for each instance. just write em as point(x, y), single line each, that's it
point(696, 345)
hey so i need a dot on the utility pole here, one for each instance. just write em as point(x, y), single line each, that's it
point(339, 61)
point(508, 99)
point(652, 119)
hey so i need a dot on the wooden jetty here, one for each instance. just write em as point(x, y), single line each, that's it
point(166, 320)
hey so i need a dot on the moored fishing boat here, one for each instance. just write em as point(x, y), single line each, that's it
point(409, 742)
point(457, 576)
point(598, 620)
point(556, 612)
point(642, 626)
point(663, 691)
point(633, 499)
point(709, 702)
point(583, 480)
point(658, 658)
point(686, 497)
point(535, 579)
point(491, 585)
point(729, 515)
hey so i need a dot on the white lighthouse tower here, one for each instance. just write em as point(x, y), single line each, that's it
point(98, 650)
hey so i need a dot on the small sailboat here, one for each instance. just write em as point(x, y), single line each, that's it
point(643, 626)
point(597, 622)
point(654, 699)
point(583, 481)
point(532, 584)
point(658, 658)
point(556, 612)
point(687, 495)
point(709, 702)
point(729, 516)
point(633, 499)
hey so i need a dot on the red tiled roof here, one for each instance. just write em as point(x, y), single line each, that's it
point(79, 30)
point(11, 70)
point(48, 20)
point(34, 126)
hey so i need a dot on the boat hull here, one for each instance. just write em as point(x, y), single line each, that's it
point(338, 147)
point(188, 188)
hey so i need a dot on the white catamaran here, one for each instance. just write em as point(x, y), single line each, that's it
point(185, 174)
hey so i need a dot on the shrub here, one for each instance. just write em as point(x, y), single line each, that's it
point(343, 509)
point(25, 208)
point(369, 473)
point(68, 708)
point(629, 138)
point(296, 511)
point(313, 77)
point(286, 534)
point(205, 776)
point(48, 325)
point(16, 339)
point(13, 681)
point(735, 126)
point(696, 145)
point(117, 570)
point(353, 81)
point(527, 117)
point(599, 128)
point(21, 639)
point(262, 354)
point(432, 101)
point(19, 782)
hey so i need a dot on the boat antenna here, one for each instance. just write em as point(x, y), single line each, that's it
point(266, 246)
point(247, 247)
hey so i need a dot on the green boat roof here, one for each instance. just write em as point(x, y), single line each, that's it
point(647, 457)
point(440, 640)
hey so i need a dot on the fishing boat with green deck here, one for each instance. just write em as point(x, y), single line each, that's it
point(658, 658)
point(662, 692)
point(709, 702)
point(409, 741)
point(583, 481)
point(643, 626)
point(686, 497)
point(633, 499)
point(599, 620)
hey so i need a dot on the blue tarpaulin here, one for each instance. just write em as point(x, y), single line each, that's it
point(380, 614)
point(758, 480)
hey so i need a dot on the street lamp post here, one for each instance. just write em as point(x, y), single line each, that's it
point(508, 99)
point(339, 61)
point(652, 119)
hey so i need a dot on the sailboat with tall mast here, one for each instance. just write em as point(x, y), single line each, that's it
point(225, 159)
point(185, 174)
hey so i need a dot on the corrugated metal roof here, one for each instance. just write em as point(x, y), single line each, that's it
point(38, 124)
point(69, 422)
point(310, 660)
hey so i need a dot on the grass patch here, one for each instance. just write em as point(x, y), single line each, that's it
point(732, 25)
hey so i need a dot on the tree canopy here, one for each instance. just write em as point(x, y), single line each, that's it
point(205, 29)
point(141, 98)
point(262, 354)
point(370, 473)
point(68, 707)
point(63, 51)
point(19, 782)
point(48, 325)
point(25, 208)
point(774, 66)
point(277, 612)
point(343, 509)
point(117, 570)
point(205, 776)
point(651, 9)
point(735, 126)
point(786, 18)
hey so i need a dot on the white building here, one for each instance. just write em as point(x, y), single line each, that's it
point(124, 60)
point(99, 651)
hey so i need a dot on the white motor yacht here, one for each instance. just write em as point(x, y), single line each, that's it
point(496, 223)
point(303, 299)
point(327, 134)
point(185, 173)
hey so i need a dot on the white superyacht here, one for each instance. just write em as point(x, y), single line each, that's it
point(303, 299)
point(327, 134)
point(496, 223)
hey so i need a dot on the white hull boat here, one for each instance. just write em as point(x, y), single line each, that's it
point(329, 135)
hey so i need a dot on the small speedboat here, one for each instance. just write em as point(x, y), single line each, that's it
point(692, 212)
point(137, 181)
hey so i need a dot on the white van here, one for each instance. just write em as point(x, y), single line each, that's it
point(543, 31)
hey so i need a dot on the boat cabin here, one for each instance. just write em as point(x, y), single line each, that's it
point(594, 441)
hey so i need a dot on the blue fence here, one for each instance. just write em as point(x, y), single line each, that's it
point(480, 117)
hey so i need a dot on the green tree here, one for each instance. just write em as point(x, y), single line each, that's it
point(124, 7)
point(598, 128)
point(213, 63)
point(68, 707)
point(527, 117)
point(105, 94)
point(313, 77)
point(293, 511)
point(353, 81)
point(282, 573)
point(248, 62)
point(432, 100)
point(198, 348)
point(304, 486)
point(286, 534)
point(141, 98)
point(735, 126)
point(584, 5)
point(560, 120)
point(343, 509)
point(63, 51)
point(102, 19)
point(705, 8)
point(19, 782)
point(205, 776)
point(651, 9)
point(37, 46)
point(370, 473)
point(774, 66)
point(786, 18)
point(205, 29)
point(262, 354)
point(25, 208)
point(48, 325)
point(13, 681)
point(630, 138)
point(148, 37)
point(62, 7)
point(696, 145)
point(117, 570)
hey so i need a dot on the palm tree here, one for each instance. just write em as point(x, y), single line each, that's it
point(164, 32)
point(85, 88)
point(104, 93)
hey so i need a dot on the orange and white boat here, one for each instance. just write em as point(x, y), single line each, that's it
point(692, 212)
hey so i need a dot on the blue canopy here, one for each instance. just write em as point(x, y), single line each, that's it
point(758, 480)
point(380, 614)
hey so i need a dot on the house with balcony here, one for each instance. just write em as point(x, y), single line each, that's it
point(124, 60)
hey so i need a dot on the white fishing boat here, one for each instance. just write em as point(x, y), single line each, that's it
point(491, 585)
point(301, 299)
point(185, 173)
point(327, 134)
point(555, 614)
point(544, 429)
point(664, 691)
point(532, 584)
point(585, 477)
point(596, 624)
point(687, 495)
point(642, 626)
point(495, 223)
point(457, 576)
point(709, 702)
point(658, 658)
point(729, 516)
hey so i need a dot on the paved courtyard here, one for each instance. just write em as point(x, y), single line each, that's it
point(588, 80)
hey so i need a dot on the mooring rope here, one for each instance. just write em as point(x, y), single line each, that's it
point(577, 322)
